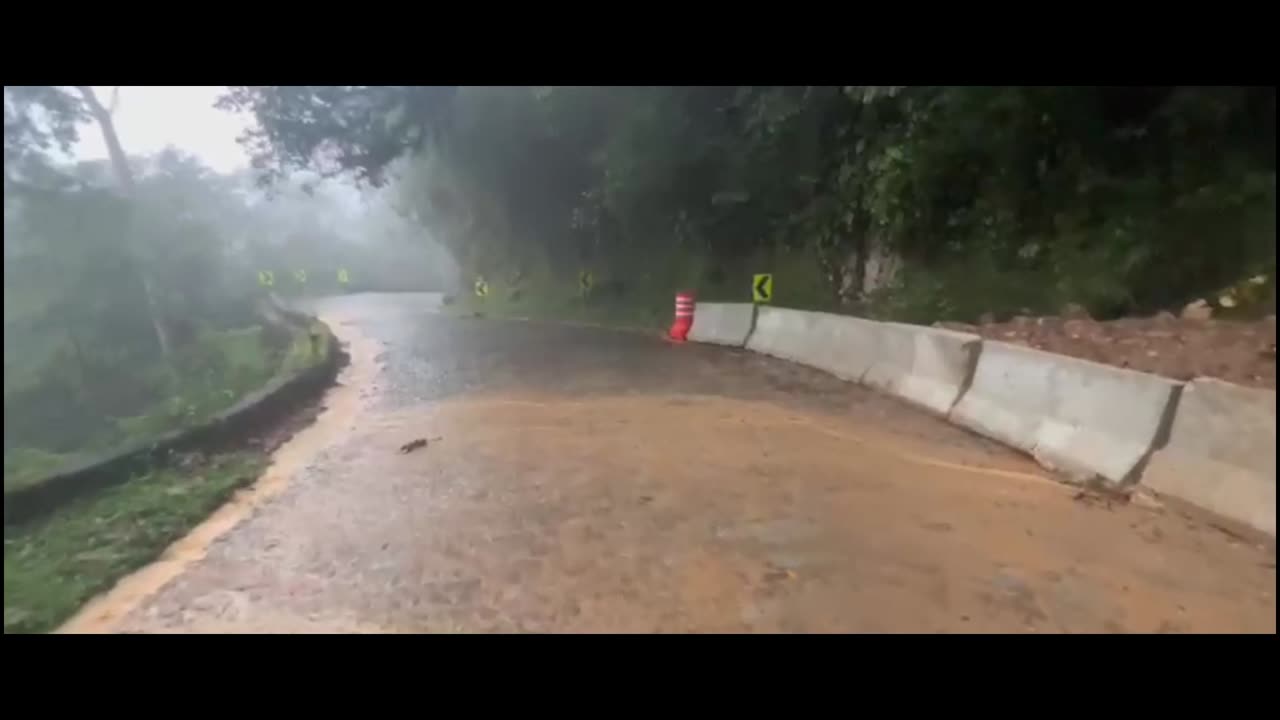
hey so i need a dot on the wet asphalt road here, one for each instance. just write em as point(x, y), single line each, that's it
point(584, 480)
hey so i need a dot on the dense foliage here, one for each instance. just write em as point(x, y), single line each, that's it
point(131, 294)
point(919, 202)
point(130, 283)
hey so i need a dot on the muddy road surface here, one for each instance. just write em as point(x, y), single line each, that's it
point(585, 480)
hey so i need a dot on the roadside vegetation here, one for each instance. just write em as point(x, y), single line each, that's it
point(134, 285)
point(54, 565)
point(57, 562)
point(916, 203)
point(135, 293)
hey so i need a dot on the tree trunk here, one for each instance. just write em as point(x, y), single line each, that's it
point(82, 372)
point(124, 176)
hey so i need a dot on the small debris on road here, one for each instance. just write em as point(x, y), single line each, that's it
point(779, 574)
point(417, 444)
point(1145, 500)
point(1093, 499)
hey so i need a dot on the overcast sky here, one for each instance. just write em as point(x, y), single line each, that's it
point(149, 118)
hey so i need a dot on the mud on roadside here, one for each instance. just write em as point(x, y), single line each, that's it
point(1241, 352)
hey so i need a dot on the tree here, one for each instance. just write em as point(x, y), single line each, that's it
point(124, 177)
point(38, 119)
point(1097, 195)
point(360, 129)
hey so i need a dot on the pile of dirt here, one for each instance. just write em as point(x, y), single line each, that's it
point(1242, 352)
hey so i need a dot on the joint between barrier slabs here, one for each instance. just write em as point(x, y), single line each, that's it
point(1163, 431)
point(755, 313)
point(970, 372)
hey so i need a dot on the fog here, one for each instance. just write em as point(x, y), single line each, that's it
point(134, 289)
point(157, 239)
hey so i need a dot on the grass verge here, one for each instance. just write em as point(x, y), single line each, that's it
point(54, 565)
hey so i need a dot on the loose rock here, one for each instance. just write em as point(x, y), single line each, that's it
point(1197, 310)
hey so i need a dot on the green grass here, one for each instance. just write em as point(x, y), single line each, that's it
point(303, 353)
point(54, 565)
point(24, 467)
point(245, 364)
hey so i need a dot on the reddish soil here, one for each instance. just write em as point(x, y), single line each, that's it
point(1236, 351)
point(638, 513)
point(584, 481)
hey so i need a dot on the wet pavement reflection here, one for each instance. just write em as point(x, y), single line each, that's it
point(586, 480)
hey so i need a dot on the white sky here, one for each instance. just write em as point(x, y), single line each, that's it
point(150, 117)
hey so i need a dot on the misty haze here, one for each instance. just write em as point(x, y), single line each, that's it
point(810, 359)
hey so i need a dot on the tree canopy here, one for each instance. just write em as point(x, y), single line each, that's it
point(1122, 198)
point(130, 282)
point(100, 260)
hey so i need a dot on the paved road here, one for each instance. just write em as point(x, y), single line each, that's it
point(579, 479)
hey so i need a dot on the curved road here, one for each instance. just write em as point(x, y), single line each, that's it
point(579, 479)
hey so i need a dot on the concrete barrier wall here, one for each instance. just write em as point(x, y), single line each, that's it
point(923, 365)
point(843, 346)
point(722, 323)
point(1221, 453)
point(1085, 419)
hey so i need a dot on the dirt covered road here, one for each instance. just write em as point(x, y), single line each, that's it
point(583, 480)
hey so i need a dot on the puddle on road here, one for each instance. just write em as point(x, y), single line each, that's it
point(343, 405)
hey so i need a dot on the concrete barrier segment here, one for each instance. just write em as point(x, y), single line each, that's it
point(926, 366)
point(1221, 453)
point(722, 323)
point(843, 346)
point(1085, 419)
